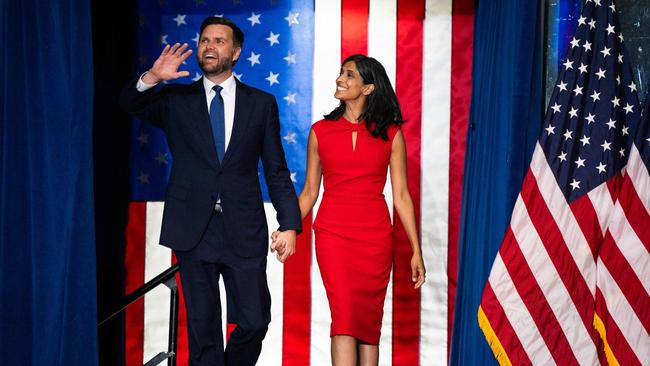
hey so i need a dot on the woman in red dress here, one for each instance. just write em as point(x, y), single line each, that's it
point(351, 149)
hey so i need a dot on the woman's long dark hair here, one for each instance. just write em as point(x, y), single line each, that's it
point(381, 108)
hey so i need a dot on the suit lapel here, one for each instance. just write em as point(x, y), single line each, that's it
point(201, 121)
point(243, 107)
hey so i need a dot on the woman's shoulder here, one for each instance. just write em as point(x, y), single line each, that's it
point(318, 123)
point(322, 124)
point(392, 131)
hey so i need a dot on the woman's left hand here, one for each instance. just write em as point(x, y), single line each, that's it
point(418, 273)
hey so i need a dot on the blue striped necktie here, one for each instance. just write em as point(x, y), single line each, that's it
point(217, 120)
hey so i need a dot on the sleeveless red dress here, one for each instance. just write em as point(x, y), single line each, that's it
point(354, 234)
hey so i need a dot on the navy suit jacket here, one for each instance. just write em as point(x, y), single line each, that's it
point(198, 178)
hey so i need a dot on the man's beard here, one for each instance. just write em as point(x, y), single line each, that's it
point(224, 64)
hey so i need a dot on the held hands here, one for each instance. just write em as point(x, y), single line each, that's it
point(418, 273)
point(283, 244)
point(167, 64)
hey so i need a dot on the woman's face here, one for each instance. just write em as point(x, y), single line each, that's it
point(349, 84)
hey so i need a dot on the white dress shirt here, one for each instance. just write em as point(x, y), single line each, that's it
point(227, 93)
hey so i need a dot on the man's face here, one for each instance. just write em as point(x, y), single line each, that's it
point(216, 51)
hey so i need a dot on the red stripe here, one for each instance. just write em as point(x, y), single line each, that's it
point(626, 279)
point(502, 327)
point(532, 296)
point(230, 327)
point(635, 212)
point(613, 185)
point(558, 251)
point(406, 300)
point(182, 345)
point(296, 329)
point(617, 342)
point(134, 278)
point(462, 31)
point(586, 216)
point(354, 27)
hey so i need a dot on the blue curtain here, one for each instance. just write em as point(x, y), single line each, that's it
point(47, 245)
point(505, 118)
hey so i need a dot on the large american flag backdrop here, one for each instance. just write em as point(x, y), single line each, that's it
point(570, 283)
point(294, 50)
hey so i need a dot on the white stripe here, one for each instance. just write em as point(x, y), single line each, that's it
point(382, 35)
point(327, 62)
point(156, 303)
point(603, 204)
point(327, 56)
point(629, 244)
point(551, 284)
point(272, 345)
point(436, 89)
point(623, 314)
point(638, 173)
point(566, 222)
point(522, 323)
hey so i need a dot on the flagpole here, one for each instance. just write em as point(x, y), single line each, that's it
point(543, 69)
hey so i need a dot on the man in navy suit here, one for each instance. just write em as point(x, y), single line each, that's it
point(218, 129)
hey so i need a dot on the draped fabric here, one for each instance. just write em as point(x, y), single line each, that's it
point(505, 119)
point(47, 245)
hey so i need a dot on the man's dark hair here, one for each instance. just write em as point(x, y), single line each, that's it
point(237, 34)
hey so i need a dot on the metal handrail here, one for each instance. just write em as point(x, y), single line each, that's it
point(168, 279)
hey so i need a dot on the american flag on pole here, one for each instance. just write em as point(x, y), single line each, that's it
point(574, 261)
point(293, 49)
point(623, 270)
